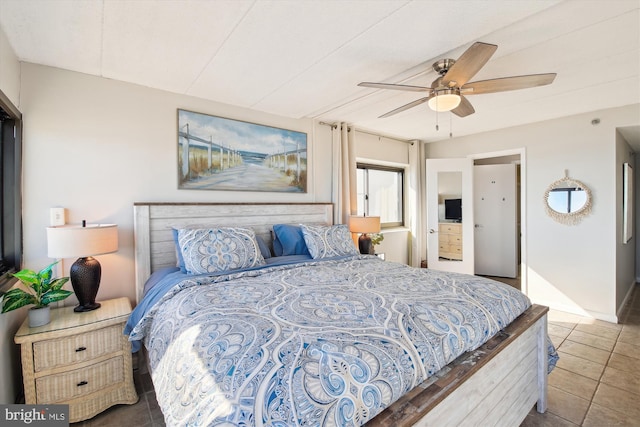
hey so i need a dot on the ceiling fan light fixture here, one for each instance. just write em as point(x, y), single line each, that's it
point(444, 100)
point(454, 77)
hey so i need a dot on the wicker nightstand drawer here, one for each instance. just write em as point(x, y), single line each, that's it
point(69, 385)
point(78, 348)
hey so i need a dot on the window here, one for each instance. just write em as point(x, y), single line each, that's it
point(380, 193)
point(10, 192)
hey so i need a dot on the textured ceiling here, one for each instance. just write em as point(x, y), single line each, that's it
point(305, 58)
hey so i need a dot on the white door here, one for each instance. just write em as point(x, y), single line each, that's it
point(495, 210)
point(450, 223)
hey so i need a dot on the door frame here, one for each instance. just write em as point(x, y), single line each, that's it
point(523, 206)
point(463, 165)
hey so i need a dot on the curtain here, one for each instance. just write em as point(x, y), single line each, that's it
point(416, 203)
point(344, 174)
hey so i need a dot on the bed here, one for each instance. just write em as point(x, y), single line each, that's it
point(327, 337)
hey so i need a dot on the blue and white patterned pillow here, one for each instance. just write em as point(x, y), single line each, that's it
point(210, 250)
point(328, 241)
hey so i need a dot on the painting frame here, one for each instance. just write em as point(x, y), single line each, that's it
point(222, 154)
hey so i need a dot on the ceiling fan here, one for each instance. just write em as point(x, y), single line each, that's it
point(447, 92)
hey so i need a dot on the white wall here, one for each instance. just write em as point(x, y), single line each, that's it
point(95, 146)
point(568, 267)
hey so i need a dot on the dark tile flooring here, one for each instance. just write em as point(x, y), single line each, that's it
point(596, 382)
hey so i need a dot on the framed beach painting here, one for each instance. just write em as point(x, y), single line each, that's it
point(216, 153)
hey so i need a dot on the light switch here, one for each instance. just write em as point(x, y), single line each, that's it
point(56, 217)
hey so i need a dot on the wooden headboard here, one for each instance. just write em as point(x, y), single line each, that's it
point(154, 245)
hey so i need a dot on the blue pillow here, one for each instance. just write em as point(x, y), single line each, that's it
point(277, 247)
point(264, 248)
point(289, 240)
point(178, 251)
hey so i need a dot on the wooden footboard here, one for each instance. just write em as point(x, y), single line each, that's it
point(497, 384)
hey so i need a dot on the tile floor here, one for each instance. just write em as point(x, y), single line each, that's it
point(596, 382)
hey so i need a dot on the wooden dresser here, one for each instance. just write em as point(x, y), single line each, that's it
point(79, 359)
point(450, 240)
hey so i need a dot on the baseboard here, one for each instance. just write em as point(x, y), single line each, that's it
point(603, 316)
point(626, 298)
point(579, 311)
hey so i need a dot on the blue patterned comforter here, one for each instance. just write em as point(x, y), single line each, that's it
point(322, 343)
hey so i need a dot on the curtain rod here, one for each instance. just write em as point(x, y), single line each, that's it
point(335, 126)
point(406, 141)
point(332, 125)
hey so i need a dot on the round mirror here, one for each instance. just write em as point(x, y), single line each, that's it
point(567, 201)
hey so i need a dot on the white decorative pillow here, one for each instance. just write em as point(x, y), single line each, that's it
point(328, 241)
point(211, 250)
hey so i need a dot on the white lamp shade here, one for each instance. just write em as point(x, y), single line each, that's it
point(79, 242)
point(364, 224)
point(444, 102)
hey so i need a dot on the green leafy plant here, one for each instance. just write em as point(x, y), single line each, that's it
point(41, 289)
point(376, 238)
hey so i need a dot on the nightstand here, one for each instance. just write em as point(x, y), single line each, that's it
point(79, 359)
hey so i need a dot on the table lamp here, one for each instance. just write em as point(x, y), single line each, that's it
point(83, 241)
point(364, 225)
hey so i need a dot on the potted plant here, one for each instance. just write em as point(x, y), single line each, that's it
point(41, 290)
point(376, 239)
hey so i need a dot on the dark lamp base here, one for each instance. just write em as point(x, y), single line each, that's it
point(364, 244)
point(88, 307)
point(85, 279)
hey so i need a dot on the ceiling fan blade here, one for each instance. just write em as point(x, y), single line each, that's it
point(405, 107)
point(464, 109)
point(508, 83)
point(395, 87)
point(468, 64)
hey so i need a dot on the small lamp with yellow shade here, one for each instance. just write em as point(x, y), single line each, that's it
point(364, 225)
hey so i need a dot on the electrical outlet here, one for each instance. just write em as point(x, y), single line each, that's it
point(56, 217)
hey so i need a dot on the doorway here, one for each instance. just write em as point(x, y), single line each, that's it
point(515, 157)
